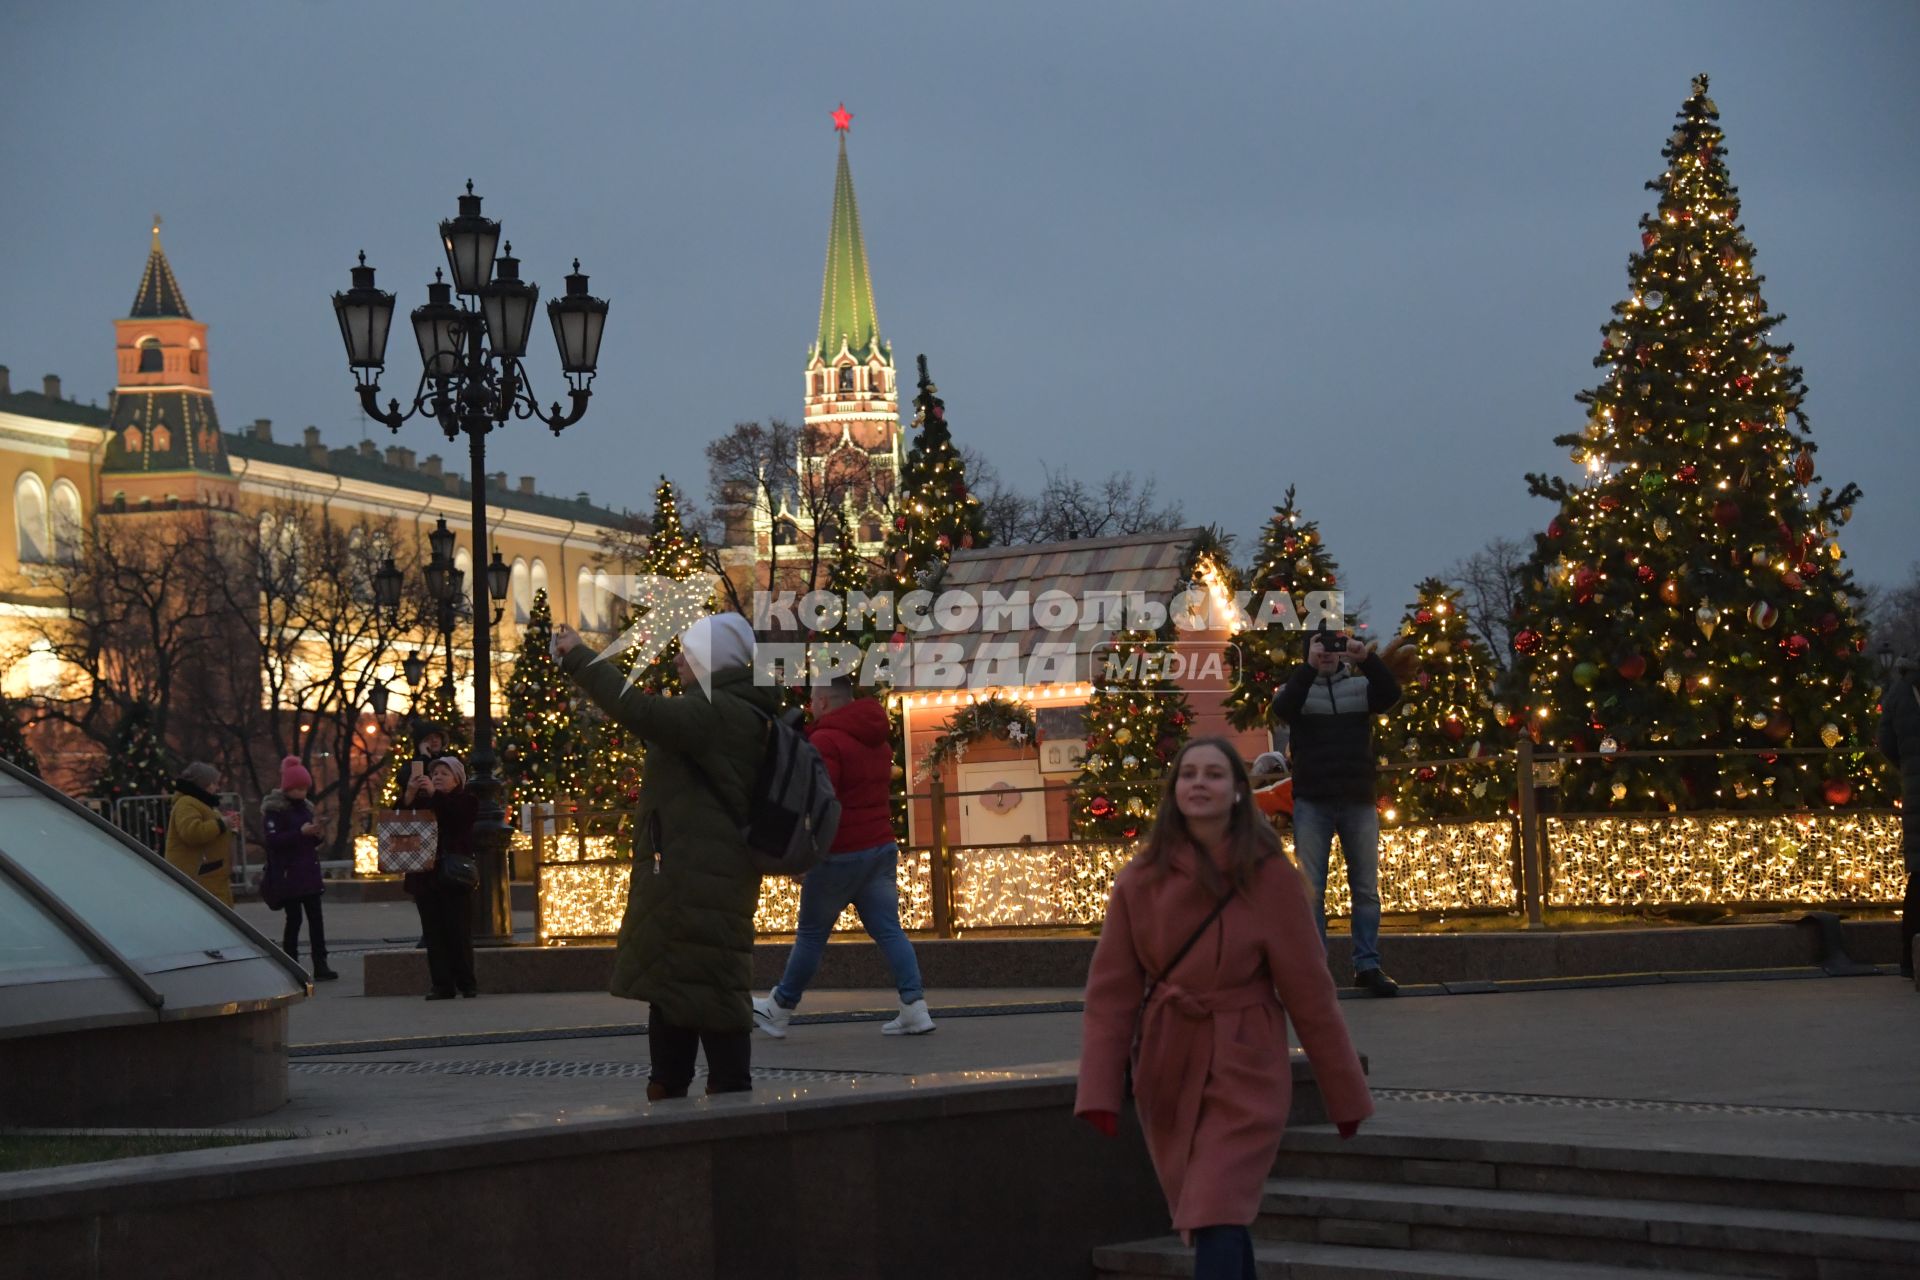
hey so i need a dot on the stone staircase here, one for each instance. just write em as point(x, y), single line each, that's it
point(1395, 1206)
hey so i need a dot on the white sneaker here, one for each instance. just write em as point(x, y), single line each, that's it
point(914, 1020)
point(770, 1017)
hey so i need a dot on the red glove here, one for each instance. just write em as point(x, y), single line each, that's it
point(1348, 1128)
point(1107, 1122)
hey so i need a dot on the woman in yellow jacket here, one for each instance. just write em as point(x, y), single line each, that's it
point(199, 842)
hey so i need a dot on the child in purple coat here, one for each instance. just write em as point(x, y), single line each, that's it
point(292, 881)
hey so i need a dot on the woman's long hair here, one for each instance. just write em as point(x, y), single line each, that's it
point(1250, 838)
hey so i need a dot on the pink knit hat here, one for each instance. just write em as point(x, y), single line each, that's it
point(294, 774)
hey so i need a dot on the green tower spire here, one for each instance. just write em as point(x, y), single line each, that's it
point(846, 292)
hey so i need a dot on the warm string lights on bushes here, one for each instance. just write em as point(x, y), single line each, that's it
point(1679, 858)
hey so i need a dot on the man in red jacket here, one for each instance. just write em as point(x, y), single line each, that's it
point(856, 742)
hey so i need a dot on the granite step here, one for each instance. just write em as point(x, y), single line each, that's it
point(1861, 1188)
point(1278, 1260)
point(1712, 1238)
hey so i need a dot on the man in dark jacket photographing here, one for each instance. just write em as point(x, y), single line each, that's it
point(1328, 705)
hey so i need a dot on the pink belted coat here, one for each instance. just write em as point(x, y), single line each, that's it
point(1212, 1084)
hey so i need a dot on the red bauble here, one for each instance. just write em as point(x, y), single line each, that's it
point(1838, 790)
point(1670, 591)
point(1778, 727)
point(1129, 832)
point(900, 524)
point(1829, 624)
point(1726, 513)
point(1608, 502)
point(1554, 528)
point(1526, 641)
point(1100, 807)
point(1793, 581)
point(897, 641)
point(1332, 581)
point(966, 540)
point(1644, 573)
point(1427, 773)
point(1576, 742)
point(1585, 582)
point(1796, 645)
point(1807, 568)
point(1633, 666)
point(1423, 617)
point(1649, 238)
point(1454, 729)
point(1803, 466)
point(943, 542)
point(1688, 474)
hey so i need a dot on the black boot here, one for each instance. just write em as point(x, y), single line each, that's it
point(1375, 982)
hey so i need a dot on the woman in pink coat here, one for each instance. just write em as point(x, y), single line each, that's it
point(1211, 1081)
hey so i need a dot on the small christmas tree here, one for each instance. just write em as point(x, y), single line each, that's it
point(137, 762)
point(673, 551)
point(1445, 711)
point(1691, 592)
point(537, 735)
point(1292, 559)
point(1136, 721)
point(937, 515)
point(13, 739)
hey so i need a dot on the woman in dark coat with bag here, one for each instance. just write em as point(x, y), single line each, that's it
point(292, 881)
point(445, 902)
point(686, 945)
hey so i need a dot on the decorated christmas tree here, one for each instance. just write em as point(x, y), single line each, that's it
point(13, 739)
point(673, 551)
point(1690, 591)
point(1136, 721)
point(937, 514)
point(137, 762)
point(1445, 712)
point(538, 739)
point(1293, 559)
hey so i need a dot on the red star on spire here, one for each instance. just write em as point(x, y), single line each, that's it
point(842, 118)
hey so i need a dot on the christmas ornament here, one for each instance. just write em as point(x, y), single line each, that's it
point(1803, 466)
point(1303, 566)
point(1632, 666)
point(1655, 299)
point(1838, 790)
point(1662, 528)
point(1527, 641)
point(1796, 645)
point(1671, 679)
point(1137, 806)
point(1644, 573)
point(1828, 624)
point(1123, 735)
point(1687, 474)
point(1758, 720)
point(1670, 591)
point(1652, 482)
point(1100, 807)
point(1763, 614)
point(1707, 617)
point(1726, 513)
point(1792, 581)
point(1129, 762)
point(1453, 728)
point(1779, 727)
point(1584, 674)
point(1830, 736)
point(1619, 791)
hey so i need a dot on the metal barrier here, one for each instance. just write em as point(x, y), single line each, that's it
point(145, 818)
point(1520, 864)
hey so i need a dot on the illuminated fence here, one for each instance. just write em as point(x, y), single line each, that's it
point(1520, 864)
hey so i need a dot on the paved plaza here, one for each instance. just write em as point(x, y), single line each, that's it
point(1824, 1067)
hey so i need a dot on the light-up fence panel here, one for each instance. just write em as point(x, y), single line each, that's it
point(1642, 860)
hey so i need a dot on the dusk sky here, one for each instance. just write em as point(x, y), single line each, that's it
point(1365, 249)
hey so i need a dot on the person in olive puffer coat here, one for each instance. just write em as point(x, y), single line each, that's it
point(686, 945)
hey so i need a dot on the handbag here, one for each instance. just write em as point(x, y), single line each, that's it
point(407, 838)
point(459, 870)
point(1140, 1014)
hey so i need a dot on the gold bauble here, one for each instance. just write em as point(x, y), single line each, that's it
point(1830, 735)
point(1123, 734)
point(1662, 528)
point(1758, 719)
point(1619, 791)
point(1671, 679)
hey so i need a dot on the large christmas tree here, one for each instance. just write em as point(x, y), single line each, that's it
point(1690, 592)
point(937, 515)
point(13, 739)
point(538, 738)
point(1445, 712)
point(1293, 559)
point(1137, 720)
point(137, 762)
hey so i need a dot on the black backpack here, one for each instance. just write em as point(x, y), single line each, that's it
point(792, 813)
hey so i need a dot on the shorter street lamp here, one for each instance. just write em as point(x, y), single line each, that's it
point(498, 580)
point(386, 589)
point(377, 700)
point(415, 668)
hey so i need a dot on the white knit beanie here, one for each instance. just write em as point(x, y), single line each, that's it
point(719, 642)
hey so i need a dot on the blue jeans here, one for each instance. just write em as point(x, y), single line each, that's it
point(864, 880)
point(1315, 823)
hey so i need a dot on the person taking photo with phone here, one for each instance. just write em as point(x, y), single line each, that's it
point(1328, 705)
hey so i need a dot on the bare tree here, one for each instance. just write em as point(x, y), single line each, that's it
point(1893, 617)
point(301, 681)
point(1068, 507)
point(127, 623)
point(1489, 582)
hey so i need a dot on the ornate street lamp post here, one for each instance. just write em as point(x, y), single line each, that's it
point(472, 381)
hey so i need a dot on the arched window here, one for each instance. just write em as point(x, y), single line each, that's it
point(846, 377)
point(585, 601)
point(785, 532)
point(66, 522)
point(193, 356)
point(877, 380)
point(605, 603)
point(151, 358)
point(30, 519)
point(522, 592)
point(133, 439)
point(539, 583)
point(162, 438)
